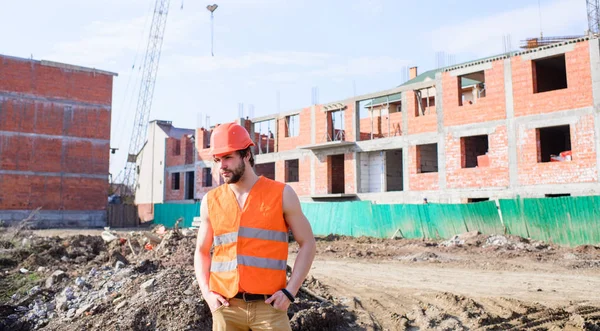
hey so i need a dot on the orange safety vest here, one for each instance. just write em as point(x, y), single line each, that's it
point(251, 243)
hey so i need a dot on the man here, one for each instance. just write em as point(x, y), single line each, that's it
point(247, 219)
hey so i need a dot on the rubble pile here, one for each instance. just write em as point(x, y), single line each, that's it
point(515, 243)
point(505, 242)
point(141, 280)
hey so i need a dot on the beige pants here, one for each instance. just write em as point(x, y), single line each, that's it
point(244, 316)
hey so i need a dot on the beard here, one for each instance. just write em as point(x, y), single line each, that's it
point(236, 174)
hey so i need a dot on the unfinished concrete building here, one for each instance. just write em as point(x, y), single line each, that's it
point(166, 170)
point(523, 123)
point(54, 142)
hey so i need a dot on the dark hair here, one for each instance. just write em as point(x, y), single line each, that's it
point(244, 152)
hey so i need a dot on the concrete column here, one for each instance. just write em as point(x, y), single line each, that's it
point(405, 158)
point(405, 168)
point(276, 135)
point(383, 155)
point(313, 157)
point(356, 126)
point(595, 69)
point(356, 121)
point(511, 128)
point(404, 113)
point(357, 175)
point(439, 108)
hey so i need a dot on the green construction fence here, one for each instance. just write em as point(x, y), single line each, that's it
point(168, 213)
point(568, 221)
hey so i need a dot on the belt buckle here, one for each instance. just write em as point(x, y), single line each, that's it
point(244, 296)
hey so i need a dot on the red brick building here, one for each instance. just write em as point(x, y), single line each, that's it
point(524, 123)
point(54, 142)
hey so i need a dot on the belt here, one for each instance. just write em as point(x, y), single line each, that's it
point(251, 297)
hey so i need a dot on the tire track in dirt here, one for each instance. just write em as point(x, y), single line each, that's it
point(393, 296)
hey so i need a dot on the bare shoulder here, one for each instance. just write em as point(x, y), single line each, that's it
point(294, 217)
point(204, 208)
point(291, 202)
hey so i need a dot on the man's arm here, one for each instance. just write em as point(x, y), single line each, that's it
point(303, 234)
point(202, 258)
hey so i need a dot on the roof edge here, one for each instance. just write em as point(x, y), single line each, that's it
point(75, 67)
point(516, 53)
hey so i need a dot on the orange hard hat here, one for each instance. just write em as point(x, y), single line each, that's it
point(229, 137)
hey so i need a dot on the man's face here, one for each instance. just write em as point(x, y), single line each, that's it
point(231, 167)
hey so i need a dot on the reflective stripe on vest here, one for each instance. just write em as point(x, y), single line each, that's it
point(251, 261)
point(226, 238)
point(246, 232)
point(223, 266)
point(263, 234)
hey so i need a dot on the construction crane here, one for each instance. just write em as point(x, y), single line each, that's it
point(593, 13)
point(144, 103)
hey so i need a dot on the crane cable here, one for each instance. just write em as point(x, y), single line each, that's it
point(212, 9)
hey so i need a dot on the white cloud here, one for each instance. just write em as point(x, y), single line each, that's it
point(106, 42)
point(482, 36)
point(363, 66)
point(199, 64)
point(284, 66)
point(101, 42)
point(338, 68)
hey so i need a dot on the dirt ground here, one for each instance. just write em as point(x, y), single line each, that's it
point(476, 282)
point(75, 279)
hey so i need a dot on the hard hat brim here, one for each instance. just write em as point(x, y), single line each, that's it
point(228, 150)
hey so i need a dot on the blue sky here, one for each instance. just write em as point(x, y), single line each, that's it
point(268, 47)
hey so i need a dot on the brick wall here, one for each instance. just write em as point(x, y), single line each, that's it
point(350, 135)
point(32, 78)
point(349, 173)
point(365, 127)
point(490, 108)
point(303, 138)
point(321, 173)
point(24, 192)
point(53, 121)
point(577, 95)
point(420, 181)
point(179, 155)
point(170, 193)
point(581, 169)
point(302, 187)
point(496, 175)
point(389, 125)
point(419, 124)
point(201, 188)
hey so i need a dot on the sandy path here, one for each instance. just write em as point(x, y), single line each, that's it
point(558, 288)
point(386, 294)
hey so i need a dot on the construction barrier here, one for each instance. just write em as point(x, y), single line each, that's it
point(435, 221)
point(568, 221)
point(168, 213)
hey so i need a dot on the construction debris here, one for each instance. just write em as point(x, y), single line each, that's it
point(82, 281)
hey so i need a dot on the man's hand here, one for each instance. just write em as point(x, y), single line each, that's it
point(279, 301)
point(215, 300)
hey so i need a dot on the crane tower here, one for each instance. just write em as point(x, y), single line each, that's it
point(144, 103)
